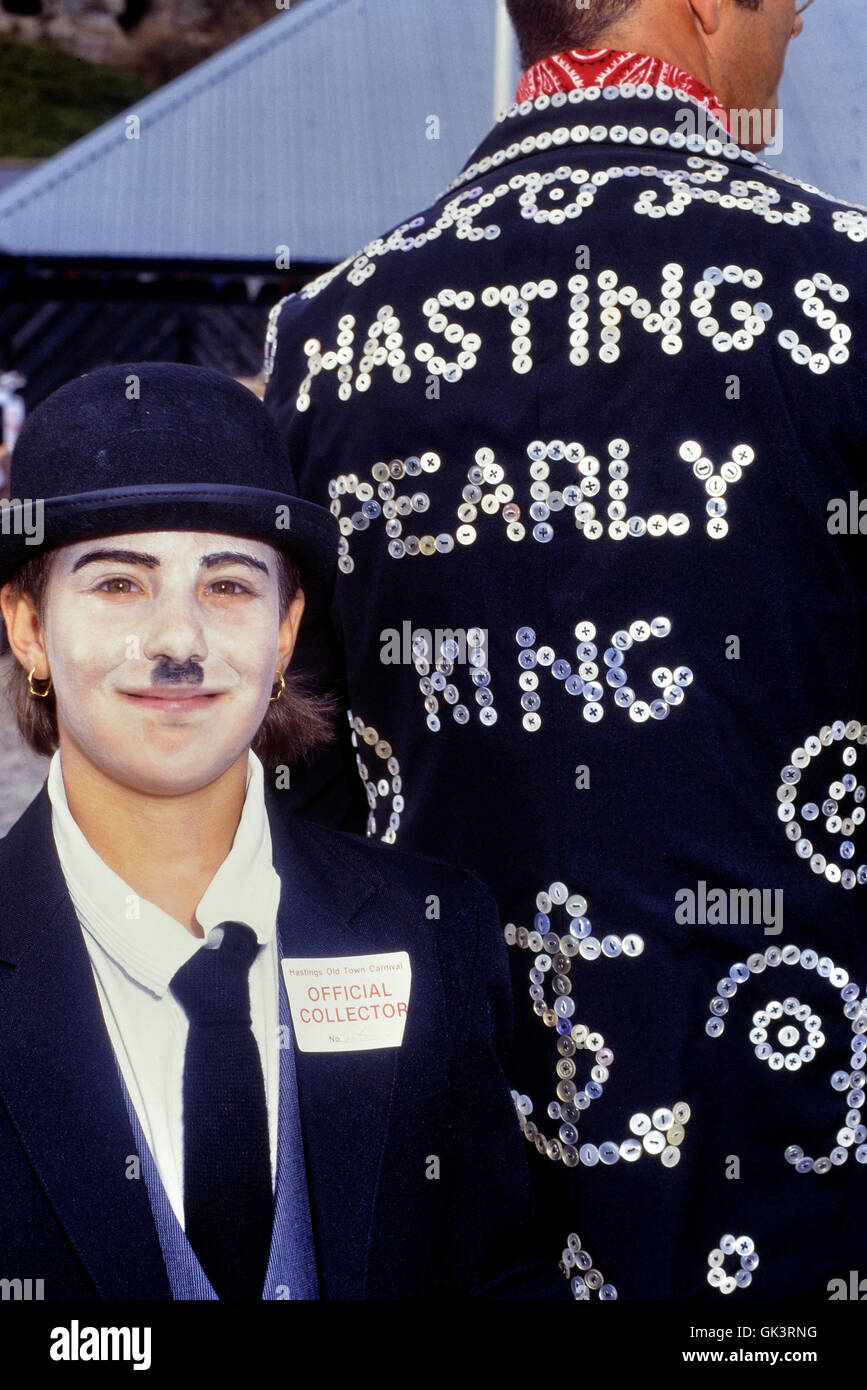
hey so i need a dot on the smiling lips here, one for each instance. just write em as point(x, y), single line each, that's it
point(173, 699)
point(172, 694)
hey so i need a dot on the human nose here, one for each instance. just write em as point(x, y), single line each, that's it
point(175, 629)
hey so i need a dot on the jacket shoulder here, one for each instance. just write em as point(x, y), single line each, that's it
point(17, 845)
point(383, 865)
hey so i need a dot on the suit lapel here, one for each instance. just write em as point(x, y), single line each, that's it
point(58, 1076)
point(345, 1098)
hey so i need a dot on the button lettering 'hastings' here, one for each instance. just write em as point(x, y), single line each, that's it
point(385, 344)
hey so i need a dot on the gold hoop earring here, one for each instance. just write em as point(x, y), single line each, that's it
point(278, 681)
point(40, 694)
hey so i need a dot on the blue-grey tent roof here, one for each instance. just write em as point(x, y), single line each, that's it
point(312, 132)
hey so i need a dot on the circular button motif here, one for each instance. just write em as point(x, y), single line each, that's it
point(831, 803)
point(729, 1247)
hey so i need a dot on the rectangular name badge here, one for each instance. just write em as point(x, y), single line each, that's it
point(348, 1003)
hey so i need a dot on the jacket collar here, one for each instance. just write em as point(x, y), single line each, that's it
point(325, 884)
point(31, 899)
point(612, 118)
point(605, 67)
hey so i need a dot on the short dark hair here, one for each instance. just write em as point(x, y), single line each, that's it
point(293, 728)
point(544, 27)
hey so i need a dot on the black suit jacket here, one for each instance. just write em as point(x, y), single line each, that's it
point(370, 1120)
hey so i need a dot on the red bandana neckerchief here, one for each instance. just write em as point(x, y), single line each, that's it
point(605, 67)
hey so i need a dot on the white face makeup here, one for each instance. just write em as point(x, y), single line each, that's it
point(163, 648)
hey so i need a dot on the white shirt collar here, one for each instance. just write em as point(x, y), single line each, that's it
point(152, 946)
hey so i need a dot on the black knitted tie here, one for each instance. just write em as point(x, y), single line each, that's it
point(228, 1203)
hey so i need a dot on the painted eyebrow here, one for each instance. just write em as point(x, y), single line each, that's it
point(135, 557)
point(233, 557)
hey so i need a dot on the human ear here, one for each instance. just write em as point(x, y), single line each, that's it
point(707, 14)
point(288, 632)
point(24, 630)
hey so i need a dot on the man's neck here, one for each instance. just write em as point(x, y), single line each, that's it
point(167, 848)
point(681, 46)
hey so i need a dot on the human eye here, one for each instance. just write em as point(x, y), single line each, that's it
point(116, 584)
point(228, 588)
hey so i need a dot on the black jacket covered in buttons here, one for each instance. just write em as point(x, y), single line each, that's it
point(610, 281)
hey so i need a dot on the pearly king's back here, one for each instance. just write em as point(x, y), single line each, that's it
point(594, 428)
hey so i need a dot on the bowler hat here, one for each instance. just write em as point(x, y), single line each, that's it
point(159, 446)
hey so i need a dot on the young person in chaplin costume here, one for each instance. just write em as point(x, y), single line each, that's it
point(235, 1061)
